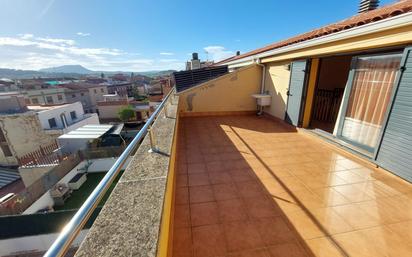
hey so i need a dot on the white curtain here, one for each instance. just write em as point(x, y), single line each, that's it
point(369, 98)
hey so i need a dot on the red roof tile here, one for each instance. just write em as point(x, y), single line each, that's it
point(400, 7)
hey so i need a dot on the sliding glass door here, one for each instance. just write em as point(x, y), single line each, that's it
point(366, 103)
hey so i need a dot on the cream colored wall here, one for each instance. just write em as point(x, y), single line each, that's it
point(229, 93)
point(24, 134)
point(277, 83)
point(109, 111)
point(399, 36)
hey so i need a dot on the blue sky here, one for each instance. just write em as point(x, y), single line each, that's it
point(140, 35)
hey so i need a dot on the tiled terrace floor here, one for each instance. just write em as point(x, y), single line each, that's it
point(249, 186)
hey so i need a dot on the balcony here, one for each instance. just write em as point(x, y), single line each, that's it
point(225, 182)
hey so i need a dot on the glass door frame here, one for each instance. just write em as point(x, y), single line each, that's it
point(345, 102)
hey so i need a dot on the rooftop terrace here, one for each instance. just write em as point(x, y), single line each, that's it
point(249, 186)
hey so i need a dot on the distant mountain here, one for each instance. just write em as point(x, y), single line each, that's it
point(78, 69)
point(73, 71)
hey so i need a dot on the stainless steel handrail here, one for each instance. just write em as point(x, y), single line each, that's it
point(61, 245)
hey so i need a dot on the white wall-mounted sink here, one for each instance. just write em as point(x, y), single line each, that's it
point(262, 99)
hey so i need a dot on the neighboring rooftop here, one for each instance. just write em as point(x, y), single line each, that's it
point(88, 131)
point(38, 108)
point(384, 12)
point(8, 176)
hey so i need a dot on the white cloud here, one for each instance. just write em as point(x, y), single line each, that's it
point(218, 53)
point(166, 53)
point(27, 51)
point(57, 41)
point(82, 34)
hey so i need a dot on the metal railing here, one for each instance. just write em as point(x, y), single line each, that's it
point(63, 242)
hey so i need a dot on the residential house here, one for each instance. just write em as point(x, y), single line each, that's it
point(109, 108)
point(25, 129)
point(94, 93)
point(46, 96)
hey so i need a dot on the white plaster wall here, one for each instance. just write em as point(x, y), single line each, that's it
point(46, 200)
point(55, 113)
point(34, 243)
point(104, 164)
point(88, 119)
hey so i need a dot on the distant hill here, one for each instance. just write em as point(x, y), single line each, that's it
point(78, 69)
point(74, 71)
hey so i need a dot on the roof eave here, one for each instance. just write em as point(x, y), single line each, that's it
point(378, 26)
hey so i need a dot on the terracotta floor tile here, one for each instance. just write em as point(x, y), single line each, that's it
point(208, 241)
point(219, 178)
point(181, 168)
point(292, 183)
point(305, 225)
point(182, 242)
point(331, 221)
point(261, 207)
point(242, 236)
point(402, 229)
point(329, 197)
point(215, 166)
point(181, 180)
point(199, 194)
point(241, 175)
point(196, 168)
point(267, 186)
point(199, 179)
point(355, 216)
point(182, 216)
point(356, 244)
point(287, 203)
point(232, 210)
point(274, 231)
point(204, 214)
point(353, 193)
point(251, 253)
point(324, 247)
point(350, 176)
point(250, 188)
point(383, 211)
point(182, 195)
point(225, 191)
point(287, 249)
point(272, 186)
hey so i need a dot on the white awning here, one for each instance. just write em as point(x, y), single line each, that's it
point(87, 132)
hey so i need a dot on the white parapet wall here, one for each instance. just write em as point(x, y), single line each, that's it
point(38, 243)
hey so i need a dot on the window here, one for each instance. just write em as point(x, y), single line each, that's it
point(6, 150)
point(73, 115)
point(49, 99)
point(102, 90)
point(369, 98)
point(52, 123)
point(59, 97)
point(73, 95)
point(95, 91)
point(82, 94)
point(34, 100)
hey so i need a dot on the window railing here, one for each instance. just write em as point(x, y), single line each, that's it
point(63, 242)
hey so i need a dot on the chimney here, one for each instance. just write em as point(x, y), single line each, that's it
point(237, 53)
point(195, 56)
point(368, 5)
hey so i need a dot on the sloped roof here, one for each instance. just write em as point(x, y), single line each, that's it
point(384, 12)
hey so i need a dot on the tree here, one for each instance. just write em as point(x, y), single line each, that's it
point(126, 113)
